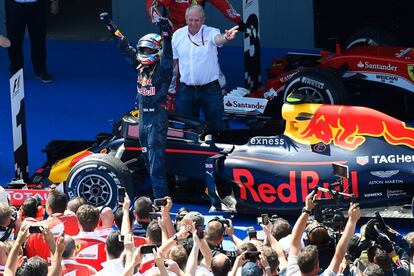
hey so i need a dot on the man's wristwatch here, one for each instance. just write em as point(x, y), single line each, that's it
point(304, 210)
point(175, 237)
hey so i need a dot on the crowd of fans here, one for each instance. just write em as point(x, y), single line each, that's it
point(79, 239)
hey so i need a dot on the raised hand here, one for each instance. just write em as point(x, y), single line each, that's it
point(231, 34)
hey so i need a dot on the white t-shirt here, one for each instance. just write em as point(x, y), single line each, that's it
point(293, 268)
point(197, 55)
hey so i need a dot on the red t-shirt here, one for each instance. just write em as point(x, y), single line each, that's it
point(90, 251)
point(139, 241)
point(73, 268)
point(36, 245)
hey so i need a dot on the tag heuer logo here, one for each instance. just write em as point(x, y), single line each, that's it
point(410, 69)
point(362, 160)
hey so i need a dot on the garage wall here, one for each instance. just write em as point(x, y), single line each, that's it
point(284, 24)
point(2, 18)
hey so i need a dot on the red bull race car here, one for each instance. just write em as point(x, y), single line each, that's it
point(362, 75)
point(258, 173)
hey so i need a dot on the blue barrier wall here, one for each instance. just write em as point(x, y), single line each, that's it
point(284, 24)
point(2, 26)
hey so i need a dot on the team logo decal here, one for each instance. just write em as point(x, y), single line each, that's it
point(385, 174)
point(410, 69)
point(362, 160)
point(343, 126)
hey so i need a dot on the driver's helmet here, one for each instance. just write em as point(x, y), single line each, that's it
point(152, 45)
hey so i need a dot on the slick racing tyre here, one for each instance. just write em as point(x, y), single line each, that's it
point(316, 85)
point(96, 178)
point(370, 36)
point(412, 207)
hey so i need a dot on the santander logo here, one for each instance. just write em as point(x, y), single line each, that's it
point(229, 104)
point(375, 66)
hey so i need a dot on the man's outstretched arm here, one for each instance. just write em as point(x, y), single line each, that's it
point(354, 214)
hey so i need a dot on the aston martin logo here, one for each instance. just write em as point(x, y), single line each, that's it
point(410, 69)
point(385, 174)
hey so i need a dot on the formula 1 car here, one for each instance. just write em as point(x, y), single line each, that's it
point(264, 172)
point(338, 78)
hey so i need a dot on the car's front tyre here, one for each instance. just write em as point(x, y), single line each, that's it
point(315, 85)
point(96, 178)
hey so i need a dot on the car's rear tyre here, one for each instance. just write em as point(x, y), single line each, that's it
point(370, 36)
point(317, 85)
point(96, 178)
point(412, 207)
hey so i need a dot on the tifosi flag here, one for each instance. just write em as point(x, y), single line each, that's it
point(252, 75)
point(21, 162)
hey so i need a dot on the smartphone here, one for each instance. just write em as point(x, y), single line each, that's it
point(147, 249)
point(200, 232)
point(35, 229)
point(160, 202)
point(252, 255)
point(252, 233)
point(265, 219)
point(121, 238)
point(153, 215)
point(121, 194)
point(361, 266)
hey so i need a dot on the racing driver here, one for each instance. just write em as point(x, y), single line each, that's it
point(154, 67)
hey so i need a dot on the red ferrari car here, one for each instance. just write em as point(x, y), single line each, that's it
point(336, 77)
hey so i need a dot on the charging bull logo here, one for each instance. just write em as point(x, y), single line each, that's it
point(347, 126)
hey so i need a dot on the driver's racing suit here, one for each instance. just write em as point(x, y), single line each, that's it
point(152, 87)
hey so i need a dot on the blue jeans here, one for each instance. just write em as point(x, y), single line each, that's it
point(191, 98)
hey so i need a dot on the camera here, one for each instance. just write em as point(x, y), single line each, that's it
point(154, 216)
point(226, 223)
point(35, 229)
point(252, 256)
point(328, 210)
point(158, 202)
point(374, 227)
point(380, 221)
point(265, 219)
point(147, 249)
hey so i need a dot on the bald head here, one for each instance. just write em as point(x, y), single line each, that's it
point(70, 246)
point(220, 265)
point(107, 217)
point(214, 232)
